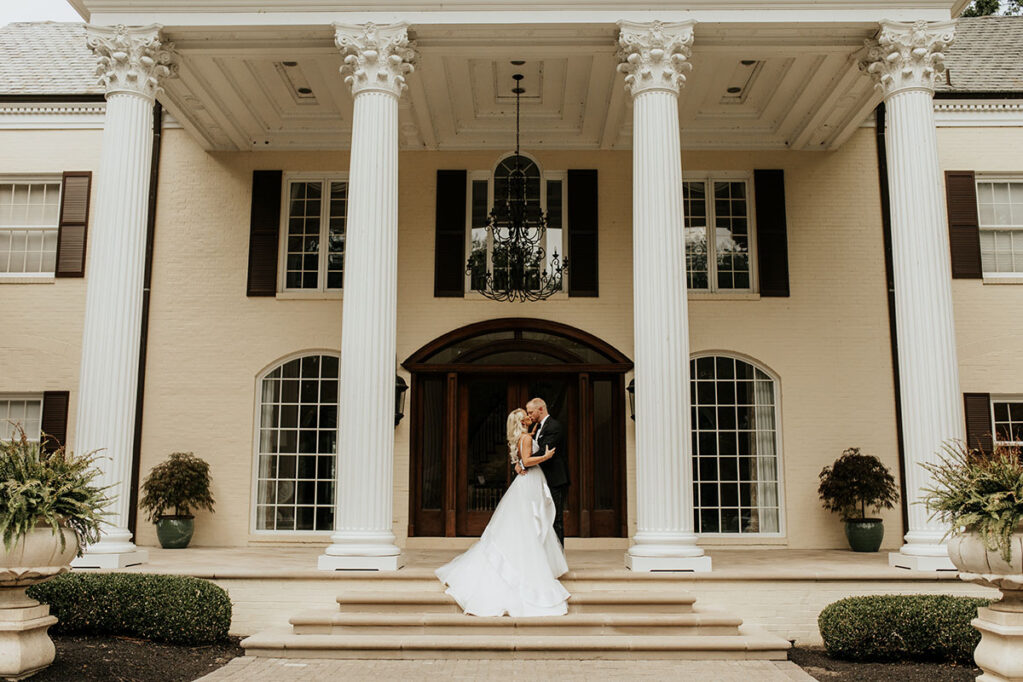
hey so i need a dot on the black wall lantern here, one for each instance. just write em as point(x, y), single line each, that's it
point(631, 388)
point(399, 398)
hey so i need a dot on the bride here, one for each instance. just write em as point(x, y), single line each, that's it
point(514, 568)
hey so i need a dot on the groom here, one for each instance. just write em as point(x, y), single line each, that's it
point(549, 435)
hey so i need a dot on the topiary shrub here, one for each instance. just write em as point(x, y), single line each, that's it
point(162, 608)
point(897, 627)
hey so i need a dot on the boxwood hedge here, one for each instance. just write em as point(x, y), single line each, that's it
point(162, 608)
point(911, 627)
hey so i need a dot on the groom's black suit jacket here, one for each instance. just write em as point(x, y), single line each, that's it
point(556, 468)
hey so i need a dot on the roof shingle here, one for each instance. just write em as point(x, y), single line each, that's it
point(987, 56)
point(46, 58)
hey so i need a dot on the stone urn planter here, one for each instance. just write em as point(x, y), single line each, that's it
point(25, 646)
point(1000, 652)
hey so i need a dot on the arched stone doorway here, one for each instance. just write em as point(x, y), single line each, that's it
point(464, 384)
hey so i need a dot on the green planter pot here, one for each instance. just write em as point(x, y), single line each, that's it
point(175, 532)
point(864, 535)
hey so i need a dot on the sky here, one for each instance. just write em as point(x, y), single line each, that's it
point(38, 10)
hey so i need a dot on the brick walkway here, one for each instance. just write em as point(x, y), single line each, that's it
point(251, 669)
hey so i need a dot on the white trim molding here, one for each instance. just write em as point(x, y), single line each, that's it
point(52, 116)
point(978, 113)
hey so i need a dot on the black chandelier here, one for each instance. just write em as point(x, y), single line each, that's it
point(518, 269)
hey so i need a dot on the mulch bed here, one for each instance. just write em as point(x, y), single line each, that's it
point(122, 659)
point(820, 666)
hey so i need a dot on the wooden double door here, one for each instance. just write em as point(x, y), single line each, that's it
point(460, 459)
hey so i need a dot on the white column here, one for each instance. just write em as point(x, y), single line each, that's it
point(654, 57)
point(904, 61)
point(376, 60)
point(132, 64)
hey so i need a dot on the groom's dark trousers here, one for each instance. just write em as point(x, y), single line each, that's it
point(559, 495)
point(555, 470)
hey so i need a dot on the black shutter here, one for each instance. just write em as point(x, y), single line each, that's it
point(264, 226)
point(54, 421)
point(963, 225)
point(74, 223)
point(582, 253)
point(449, 256)
point(978, 420)
point(772, 232)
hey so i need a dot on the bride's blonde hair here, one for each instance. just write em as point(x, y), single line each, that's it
point(515, 431)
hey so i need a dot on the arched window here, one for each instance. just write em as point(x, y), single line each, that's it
point(297, 445)
point(735, 447)
point(544, 193)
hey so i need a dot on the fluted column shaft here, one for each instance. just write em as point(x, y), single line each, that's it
point(132, 63)
point(654, 57)
point(904, 60)
point(363, 537)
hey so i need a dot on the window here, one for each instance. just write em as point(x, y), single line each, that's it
point(735, 447)
point(29, 217)
point(1008, 421)
point(1000, 212)
point(297, 445)
point(313, 235)
point(544, 194)
point(723, 263)
point(22, 410)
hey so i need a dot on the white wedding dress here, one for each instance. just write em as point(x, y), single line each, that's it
point(515, 565)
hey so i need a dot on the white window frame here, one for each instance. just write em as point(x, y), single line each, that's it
point(1003, 399)
point(321, 291)
point(779, 446)
point(1016, 276)
point(708, 178)
point(254, 530)
point(27, 397)
point(545, 177)
point(40, 179)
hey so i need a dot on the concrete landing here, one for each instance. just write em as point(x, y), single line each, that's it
point(249, 669)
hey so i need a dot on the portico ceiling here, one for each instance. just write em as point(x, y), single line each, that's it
point(753, 86)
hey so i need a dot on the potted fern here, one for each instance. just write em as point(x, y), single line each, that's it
point(853, 484)
point(979, 494)
point(171, 491)
point(50, 507)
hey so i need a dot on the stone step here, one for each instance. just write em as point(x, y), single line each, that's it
point(747, 644)
point(597, 601)
point(332, 622)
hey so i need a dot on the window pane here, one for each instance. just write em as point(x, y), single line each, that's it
point(478, 235)
point(731, 235)
point(296, 445)
point(336, 234)
point(735, 474)
point(28, 227)
point(695, 213)
point(22, 411)
point(1009, 422)
point(302, 257)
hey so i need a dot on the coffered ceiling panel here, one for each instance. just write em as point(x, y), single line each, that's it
point(751, 87)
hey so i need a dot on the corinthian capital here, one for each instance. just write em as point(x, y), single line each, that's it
point(132, 60)
point(377, 58)
point(907, 56)
point(654, 56)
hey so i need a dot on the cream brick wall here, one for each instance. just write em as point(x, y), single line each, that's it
point(828, 342)
point(989, 326)
point(41, 327)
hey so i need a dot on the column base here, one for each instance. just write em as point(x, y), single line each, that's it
point(328, 562)
point(1000, 652)
point(920, 563)
point(110, 560)
point(25, 646)
point(653, 564)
